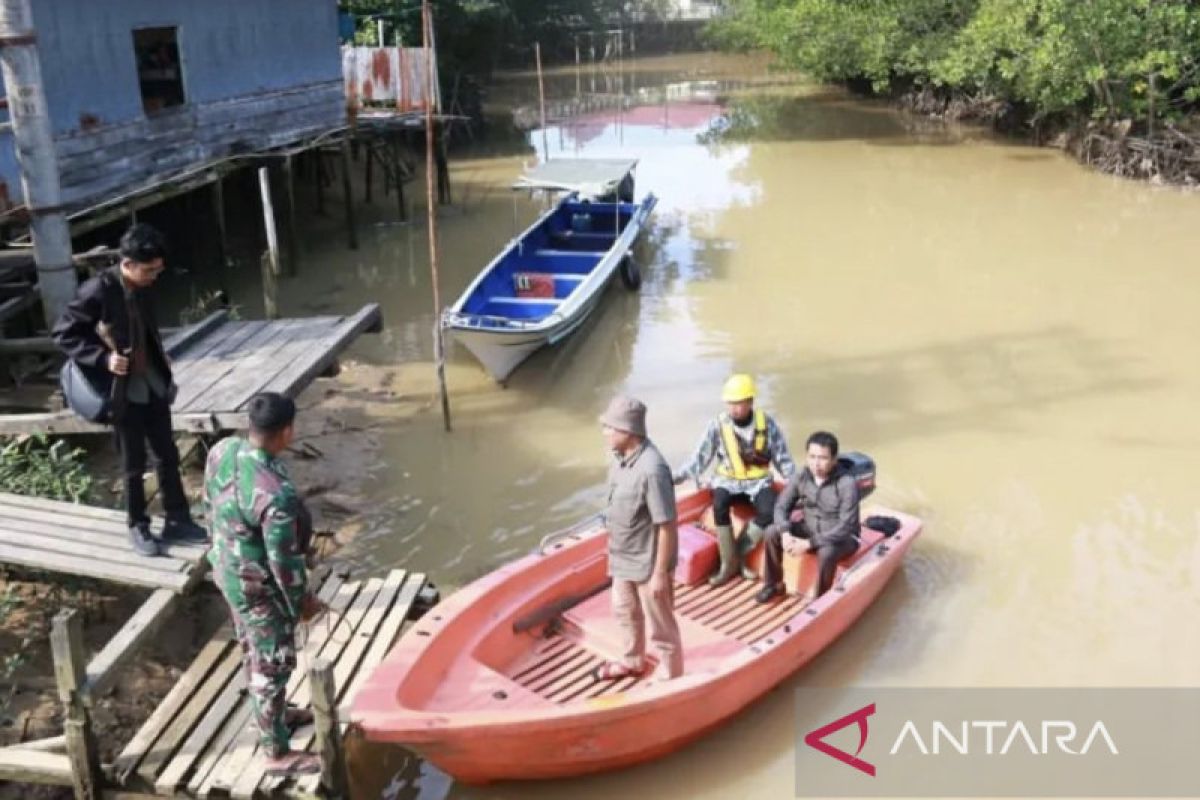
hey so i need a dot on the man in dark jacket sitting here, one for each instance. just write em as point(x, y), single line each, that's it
point(109, 329)
point(817, 511)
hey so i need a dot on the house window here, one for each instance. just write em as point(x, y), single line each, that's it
point(160, 73)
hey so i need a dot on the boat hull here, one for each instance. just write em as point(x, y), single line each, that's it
point(597, 731)
point(500, 343)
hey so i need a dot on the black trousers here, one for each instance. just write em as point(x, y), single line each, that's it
point(764, 506)
point(828, 557)
point(142, 423)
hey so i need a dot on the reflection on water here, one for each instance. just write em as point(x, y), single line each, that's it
point(1007, 334)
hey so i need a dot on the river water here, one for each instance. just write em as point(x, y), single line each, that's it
point(1007, 333)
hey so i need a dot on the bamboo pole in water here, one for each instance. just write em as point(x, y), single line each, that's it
point(439, 346)
point(537, 54)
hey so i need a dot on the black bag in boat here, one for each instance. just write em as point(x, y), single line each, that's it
point(885, 525)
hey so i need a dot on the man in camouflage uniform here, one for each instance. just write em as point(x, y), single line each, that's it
point(258, 559)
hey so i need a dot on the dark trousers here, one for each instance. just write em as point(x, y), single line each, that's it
point(764, 506)
point(828, 557)
point(142, 423)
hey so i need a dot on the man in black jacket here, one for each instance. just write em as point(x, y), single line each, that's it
point(109, 329)
point(826, 495)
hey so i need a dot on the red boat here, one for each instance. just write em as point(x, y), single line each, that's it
point(496, 682)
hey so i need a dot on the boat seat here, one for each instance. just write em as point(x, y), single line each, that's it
point(550, 252)
point(525, 301)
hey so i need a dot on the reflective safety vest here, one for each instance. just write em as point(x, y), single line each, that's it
point(745, 460)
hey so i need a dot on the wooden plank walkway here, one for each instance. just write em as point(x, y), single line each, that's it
point(201, 741)
point(94, 542)
point(220, 364)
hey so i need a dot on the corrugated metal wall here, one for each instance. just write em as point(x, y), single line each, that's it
point(230, 49)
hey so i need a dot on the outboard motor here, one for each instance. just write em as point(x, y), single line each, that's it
point(862, 467)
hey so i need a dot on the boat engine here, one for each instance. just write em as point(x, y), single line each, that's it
point(862, 467)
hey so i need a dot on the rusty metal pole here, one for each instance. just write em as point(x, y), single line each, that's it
point(34, 138)
point(439, 344)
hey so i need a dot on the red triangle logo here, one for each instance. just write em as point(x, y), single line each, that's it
point(816, 739)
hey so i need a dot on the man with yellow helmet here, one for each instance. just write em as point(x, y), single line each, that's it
point(745, 443)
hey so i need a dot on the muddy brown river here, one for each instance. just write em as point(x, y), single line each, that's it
point(1010, 336)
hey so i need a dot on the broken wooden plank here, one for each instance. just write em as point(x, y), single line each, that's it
point(167, 745)
point(101, 671)
point(193, 748)
point(334, 650)
point(381, 644)
point(206, 661)
point(340, 595)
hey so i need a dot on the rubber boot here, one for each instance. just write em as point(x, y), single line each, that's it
point(747, 542)
point(729, 557)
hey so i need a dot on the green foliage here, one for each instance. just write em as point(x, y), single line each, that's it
point(1111, 59)
point(477, 36)
point(43, 467)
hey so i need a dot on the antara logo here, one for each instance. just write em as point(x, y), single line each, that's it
point(1012, 736)
point(816, 739)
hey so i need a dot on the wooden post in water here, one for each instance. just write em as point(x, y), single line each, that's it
point(397, 160)
point(369, 172)
point(270, 259)
point(218, 200)
point(293, 234)
point(319, 161)
point(328, 732)
point(70, 669)
point(537, 54)
point(439, 344)
point(347, 194)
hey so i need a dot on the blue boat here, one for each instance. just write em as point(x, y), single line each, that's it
point(546, 282)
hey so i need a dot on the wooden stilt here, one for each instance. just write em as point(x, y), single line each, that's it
point(66, 644)
point(348, 196)
point(270, 259)
point(319, 171)
point(443, 168)
point(292, 260)
point(369, 171)
point(328, 732)
point(218, 200)
point(398, 173)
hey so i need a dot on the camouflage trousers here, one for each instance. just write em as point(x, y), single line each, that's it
point(268, 640)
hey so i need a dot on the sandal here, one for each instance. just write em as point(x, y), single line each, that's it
point(612, 671)
point(297, 717)
point(292, 763)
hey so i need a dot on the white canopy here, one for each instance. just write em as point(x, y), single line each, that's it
point(592, 177)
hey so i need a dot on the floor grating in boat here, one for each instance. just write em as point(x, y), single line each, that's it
point(561, 670)
point(732, 611)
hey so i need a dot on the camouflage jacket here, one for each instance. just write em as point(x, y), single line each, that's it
point(254, 515)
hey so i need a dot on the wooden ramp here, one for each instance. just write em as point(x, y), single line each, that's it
point(202, 742)
point(220, 364)
point(94, 542)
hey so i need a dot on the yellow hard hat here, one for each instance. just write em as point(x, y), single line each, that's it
point(739, 387)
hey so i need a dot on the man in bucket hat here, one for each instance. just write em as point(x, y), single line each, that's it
point(642, 544)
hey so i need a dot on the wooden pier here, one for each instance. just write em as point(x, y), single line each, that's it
point(219, 364)
point(202, 742)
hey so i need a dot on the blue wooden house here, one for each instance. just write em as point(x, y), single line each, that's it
point(143, 90)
